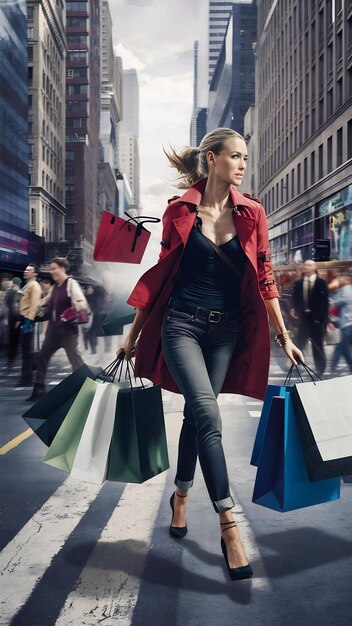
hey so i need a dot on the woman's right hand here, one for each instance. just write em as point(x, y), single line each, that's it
point(129, 348)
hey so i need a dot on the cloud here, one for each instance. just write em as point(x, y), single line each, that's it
point(129, 58)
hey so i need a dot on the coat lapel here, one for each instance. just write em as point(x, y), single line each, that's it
point(244, 227)
point(183, 225)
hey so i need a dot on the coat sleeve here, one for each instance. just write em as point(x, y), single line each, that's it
point(267, 283)
point(151, 283)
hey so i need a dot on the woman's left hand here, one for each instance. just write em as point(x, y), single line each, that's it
point(292, 351)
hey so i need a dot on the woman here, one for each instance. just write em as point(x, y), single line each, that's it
point(203, 325)
point(63, 301)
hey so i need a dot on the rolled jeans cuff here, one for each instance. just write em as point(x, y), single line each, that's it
point(224, 505)
point(181, 484)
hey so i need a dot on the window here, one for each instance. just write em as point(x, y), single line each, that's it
point(30, 75)
point(30, 32)
point(305, 174)
point(70, 155)
point(329, 155)
point(312, 168)
point(30, 13)
point(349, 139)
point(298, 178)
point(30, 53)
point(77, 56)
point(339, 147)
point(69, 73)
point(321, 161)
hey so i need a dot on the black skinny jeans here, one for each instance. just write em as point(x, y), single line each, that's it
point(197, 353)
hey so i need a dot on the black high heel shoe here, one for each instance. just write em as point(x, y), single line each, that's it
point(235, 573)
point(175, 531)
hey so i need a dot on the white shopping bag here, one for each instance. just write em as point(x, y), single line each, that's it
point(91, 458)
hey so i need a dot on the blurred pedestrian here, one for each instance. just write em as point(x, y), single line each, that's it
point(5, 285)
point(13, 297)
point(62, 303)
point(28, 309)
point(310, 302)
point(342, 299)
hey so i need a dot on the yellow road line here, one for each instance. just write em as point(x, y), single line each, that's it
point(16, 441)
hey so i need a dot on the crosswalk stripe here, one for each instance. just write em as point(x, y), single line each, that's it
point(107, 591)
point(24, 560)
point(254, 413)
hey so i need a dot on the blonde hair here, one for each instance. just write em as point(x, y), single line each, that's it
point(191, 163)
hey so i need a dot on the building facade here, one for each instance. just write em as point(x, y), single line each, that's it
point(83, 88)
point(304, 99)
point(14, 218)
point(232, 87)
point(46, 118)
point(129, 134)
point(110, 115)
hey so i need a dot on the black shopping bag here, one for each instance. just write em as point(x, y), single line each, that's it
point(324, 416)
point(282, 481)
point(120, 315)
point(138, 448)
point(46, 416)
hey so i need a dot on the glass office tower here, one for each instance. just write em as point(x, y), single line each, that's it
point(14, 213)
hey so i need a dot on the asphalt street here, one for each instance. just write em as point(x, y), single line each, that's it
point(79, 554)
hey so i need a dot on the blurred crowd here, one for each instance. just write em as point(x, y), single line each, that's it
point(41, 314)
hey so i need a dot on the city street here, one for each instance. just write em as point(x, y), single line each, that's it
point(78, 554)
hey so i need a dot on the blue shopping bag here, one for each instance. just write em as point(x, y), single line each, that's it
point(282, 481)
point(272, 390)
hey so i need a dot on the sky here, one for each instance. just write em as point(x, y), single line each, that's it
point(156, 38)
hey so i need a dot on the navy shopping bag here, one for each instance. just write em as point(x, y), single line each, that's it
point(282, 481)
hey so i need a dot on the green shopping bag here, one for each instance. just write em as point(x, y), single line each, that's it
point(138, 448)
point(62, 451)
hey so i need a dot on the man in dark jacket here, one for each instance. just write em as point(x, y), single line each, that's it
point(310, 302)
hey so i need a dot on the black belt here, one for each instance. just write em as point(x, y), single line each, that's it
point(214, 317)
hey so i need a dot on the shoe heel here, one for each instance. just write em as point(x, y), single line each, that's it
point(176, 532)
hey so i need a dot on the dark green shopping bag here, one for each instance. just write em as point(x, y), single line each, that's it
point(138, 448)
point(46, 416)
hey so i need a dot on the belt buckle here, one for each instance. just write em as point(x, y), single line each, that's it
point(211, 317)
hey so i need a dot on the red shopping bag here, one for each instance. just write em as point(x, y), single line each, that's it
point(120, 240)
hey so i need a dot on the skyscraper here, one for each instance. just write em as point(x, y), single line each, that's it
point(13, 136)
point(304, 99)
point(129, 153)
point(46, 100)
point(82, 125)
point(232, 88)
point(110, 115)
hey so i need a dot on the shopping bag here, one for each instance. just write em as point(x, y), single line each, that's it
point(46, 416)
point(138, 448)
point(282, 481)
point(63, 449)
point(120, 240)
point(120, 315)
point(90, 462)
point(324, 416)
point(272, 390)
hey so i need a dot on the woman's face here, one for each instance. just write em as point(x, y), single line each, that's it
point(57, 272)
point(229, 165)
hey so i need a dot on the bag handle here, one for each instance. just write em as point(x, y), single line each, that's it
point(139, 228)
point(224, 257)
point(307, 369)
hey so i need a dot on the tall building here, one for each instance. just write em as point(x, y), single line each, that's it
point(83, 88)
point(14, 219)
point(232, 87)
point(199, 114)
point(110, 115)
point(304, 98)
point(219, 14)
point(129, 150)
point(46, 118)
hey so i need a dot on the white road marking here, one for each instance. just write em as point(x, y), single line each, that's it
point(254, 413)
point(26, 557)
point(107, 591)
point(254, 403)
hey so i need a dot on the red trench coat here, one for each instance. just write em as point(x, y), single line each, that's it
point(248, 370)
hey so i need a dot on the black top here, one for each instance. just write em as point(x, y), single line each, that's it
point(205, 279)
